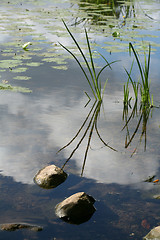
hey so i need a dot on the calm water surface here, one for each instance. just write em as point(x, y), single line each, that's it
point(35, 125)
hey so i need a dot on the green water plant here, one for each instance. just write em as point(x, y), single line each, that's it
point(143, 84)
point(127, 99)
point(142, 117)
point(141, 89)
point(14, 88)
point(91, 76)
point(25, 45)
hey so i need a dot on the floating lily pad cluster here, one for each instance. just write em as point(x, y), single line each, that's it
point(34, 28)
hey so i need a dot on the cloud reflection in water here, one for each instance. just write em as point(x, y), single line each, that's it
point(33, 130)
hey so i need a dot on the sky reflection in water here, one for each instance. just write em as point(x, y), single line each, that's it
point(31, 135)
point(34, 126)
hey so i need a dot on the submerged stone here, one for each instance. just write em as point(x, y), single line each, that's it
point(50, 177)
point(157, 196)
point(76, 209)
point(16, 226)
point(154, 234)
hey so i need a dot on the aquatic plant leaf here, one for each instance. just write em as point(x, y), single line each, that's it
point(60, 67)
point(26, 45)
point(116, 34)
point(10, 63)
point(19, 70)
point(14, 88)
point(21, 78)
point(34, 64)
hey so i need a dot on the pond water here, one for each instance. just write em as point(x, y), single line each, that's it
point(43, 105)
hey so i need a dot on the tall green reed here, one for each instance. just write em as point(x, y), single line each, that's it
point(141, 88)
point(127, 98)
point(143, 84)
point(92, 77)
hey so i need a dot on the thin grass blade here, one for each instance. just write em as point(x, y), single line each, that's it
point(105, 59)
point(91, 58)
point(79, 48)
point(138, 61)
point(80, 67)
point(104, 88)
point(95, 79)
point(108, 64)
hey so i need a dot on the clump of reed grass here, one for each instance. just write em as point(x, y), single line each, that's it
point(91, 76)
point(141, 86)
point(91, 121)
point(143, 117)
point(127, 98)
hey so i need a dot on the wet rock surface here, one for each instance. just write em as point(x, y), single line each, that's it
point(16, 226)
point(76, 209)
point(50, 177)
point(154, 234)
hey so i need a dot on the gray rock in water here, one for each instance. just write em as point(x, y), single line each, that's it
point(154, 234)
point(16, 226)
point(76, 209)
point(50, 177)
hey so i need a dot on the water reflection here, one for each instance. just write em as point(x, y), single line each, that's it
point(99, 11)
point(94, 112)
point(40, 135)
point(33, 128)
point(143, 115)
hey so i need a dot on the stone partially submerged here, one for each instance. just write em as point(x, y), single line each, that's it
point(154, 234)
point(16, 226)
point(50, 177)
point(76, 209)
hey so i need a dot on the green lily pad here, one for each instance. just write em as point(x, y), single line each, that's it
point(10, 63)
point(60, 67)
point(14, 88)
point(19, 70)
point(21, 78)
point(34, 64)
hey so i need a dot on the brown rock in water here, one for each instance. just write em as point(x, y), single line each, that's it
point(76, 209)
point(50, 177)
point(154, 234)
point(16, 226)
